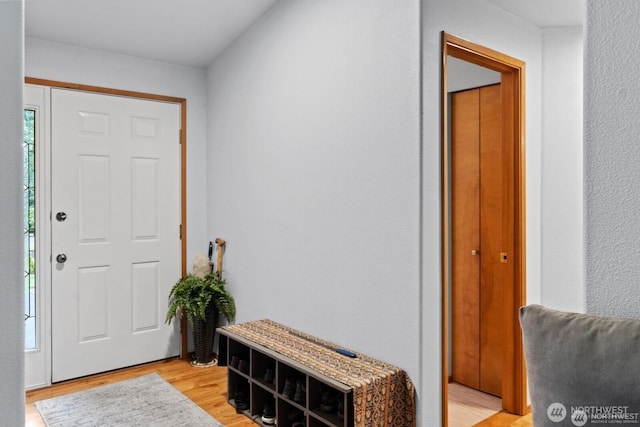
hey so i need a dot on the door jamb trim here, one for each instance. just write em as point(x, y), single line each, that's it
point(513, 74)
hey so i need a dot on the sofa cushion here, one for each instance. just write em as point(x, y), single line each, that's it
point(583, 363)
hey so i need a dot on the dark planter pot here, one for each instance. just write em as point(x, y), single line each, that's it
point(203, 335)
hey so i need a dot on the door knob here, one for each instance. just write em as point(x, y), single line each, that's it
point(475, 252)
point(61, 258)
point(61, 216)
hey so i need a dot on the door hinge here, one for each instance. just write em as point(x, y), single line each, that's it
point(180, 136)
point(180, 232)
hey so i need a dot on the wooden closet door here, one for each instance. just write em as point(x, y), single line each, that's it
point(465, 187)
point(477, 198)
point(491, 226)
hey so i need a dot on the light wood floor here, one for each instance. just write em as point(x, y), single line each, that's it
point(469, 407)
point(207, 387)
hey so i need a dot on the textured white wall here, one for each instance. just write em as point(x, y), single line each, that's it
point(562, 191)
point(315, 165)
point(314, 131)
point(315, 176)
point(11, 243)
point(66, 63)
point(612, 157)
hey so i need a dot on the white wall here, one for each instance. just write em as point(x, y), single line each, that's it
point(462, 75)
point(315, 177)
point(66, 63)
point(562, 191)
point(11, 243)
point(482, 23)
point(612, 157)
point(314, 130)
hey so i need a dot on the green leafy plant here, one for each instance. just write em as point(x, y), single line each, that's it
point(193, 294)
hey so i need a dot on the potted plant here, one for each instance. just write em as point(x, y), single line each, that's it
point(202, 300)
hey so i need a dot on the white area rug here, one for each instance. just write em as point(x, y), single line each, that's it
point(144, 401)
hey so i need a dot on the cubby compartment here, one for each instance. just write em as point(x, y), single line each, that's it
point(290, 415)
point(239, 392)
point(263, 402)
point(263, 369)
point(239, 357)
point(292, 384)
point(327, 402)
point(295, 392)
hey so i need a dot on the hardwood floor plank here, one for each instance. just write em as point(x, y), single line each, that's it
point(501, 419)
point(207, 387)
point(469, 407)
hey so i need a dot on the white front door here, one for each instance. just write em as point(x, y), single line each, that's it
point(115, 231)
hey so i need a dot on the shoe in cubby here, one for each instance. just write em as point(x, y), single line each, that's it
point(289, 388)
point(269, 413)
point(329, 402)
point(269, 376)
point(241, 401)
point(235, 360)
point(300, 396)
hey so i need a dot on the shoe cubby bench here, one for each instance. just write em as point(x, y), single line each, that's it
point(280, 376)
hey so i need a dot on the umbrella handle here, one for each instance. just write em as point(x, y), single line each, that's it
point(220, 244)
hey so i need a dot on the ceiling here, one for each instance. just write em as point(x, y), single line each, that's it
point(185, 32)
point(545, 13)
point(194, 32)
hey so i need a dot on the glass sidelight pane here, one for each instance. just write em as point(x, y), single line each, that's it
point(29, 229)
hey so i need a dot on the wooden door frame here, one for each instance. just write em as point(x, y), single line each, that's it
point(183, 162)
point(514, 389)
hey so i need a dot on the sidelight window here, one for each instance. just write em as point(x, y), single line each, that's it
point(30, 228)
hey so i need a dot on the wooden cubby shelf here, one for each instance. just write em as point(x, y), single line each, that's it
point(299, 380)
point(300, 396)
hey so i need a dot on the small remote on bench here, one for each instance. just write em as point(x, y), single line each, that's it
point(338, 350)
point(345, 352)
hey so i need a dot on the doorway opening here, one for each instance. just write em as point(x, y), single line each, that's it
point(511, 252)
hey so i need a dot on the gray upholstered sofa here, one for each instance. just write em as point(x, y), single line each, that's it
point(581, 369)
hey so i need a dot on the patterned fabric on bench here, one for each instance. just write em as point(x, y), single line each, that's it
point(383, 395)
